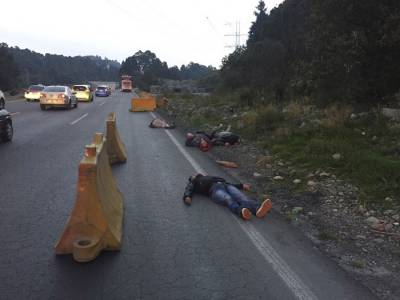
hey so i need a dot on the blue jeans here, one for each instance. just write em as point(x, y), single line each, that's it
point(228, 195)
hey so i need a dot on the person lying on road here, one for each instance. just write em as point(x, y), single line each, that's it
point(224, 138)
point(160, 123)
point(227, 194)
point(205, 141)
point(198, 139)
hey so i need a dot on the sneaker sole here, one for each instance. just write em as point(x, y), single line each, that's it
point(246, 214)
point(264, 208)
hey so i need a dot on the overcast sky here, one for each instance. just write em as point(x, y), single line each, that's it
point(177, 31)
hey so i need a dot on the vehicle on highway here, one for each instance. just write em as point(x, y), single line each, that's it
point(6, 127)
point(33, 92)
point(57, 96)
point(126, 83)
point(103, 91)
point(82, 92)
point(2, 100)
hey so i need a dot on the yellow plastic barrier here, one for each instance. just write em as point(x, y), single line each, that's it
point(146, 102)
point(95, 223)
point(115, 147)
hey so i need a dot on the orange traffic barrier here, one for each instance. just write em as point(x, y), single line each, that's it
point(146, 102)
point(115, 147)
point(95, 223)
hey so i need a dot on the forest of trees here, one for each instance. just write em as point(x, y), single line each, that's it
point(22, 67)
point(9, 71)
point(146, 69)
point(327, 50)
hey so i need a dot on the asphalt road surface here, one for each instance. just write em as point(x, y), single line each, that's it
point(169, 251)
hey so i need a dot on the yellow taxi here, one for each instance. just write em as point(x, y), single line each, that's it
point(82, 92)
point(33, 92)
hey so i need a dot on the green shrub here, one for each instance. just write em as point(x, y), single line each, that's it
point(369, 144)
point(268, 118)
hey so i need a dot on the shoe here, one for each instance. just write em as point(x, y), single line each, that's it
point(246, 213)
point(264, 208)
point(187, 200)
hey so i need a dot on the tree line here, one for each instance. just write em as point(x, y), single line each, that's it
point(327, 50)
point(147, 69)
point(22, 67)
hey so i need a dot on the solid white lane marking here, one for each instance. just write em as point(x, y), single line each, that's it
point(194, 164)
point(102, 103)
point(294, 283)
point(15, 113)
point(292, 280)
point(13, 101)
point(77, 120)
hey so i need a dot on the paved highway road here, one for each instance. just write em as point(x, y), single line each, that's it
point(170, 251)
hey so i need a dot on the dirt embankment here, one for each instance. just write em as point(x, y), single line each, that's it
point(362, 240)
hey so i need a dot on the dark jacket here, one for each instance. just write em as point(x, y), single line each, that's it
point(195, 141)
point(202, 185)
point(224, 137)
point(215, 138)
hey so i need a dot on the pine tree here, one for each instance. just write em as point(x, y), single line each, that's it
point(256, 32)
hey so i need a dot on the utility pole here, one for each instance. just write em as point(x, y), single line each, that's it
point(237, 36)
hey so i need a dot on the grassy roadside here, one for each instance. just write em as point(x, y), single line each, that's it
point(362, 148)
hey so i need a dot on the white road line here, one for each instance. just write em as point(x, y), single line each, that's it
point(299, 289)
point(12, 101)
point(15, 113)
point(77, 120)
point(102, 103)
point(194, 164)
point(292, 280)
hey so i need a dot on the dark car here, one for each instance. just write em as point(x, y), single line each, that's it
point(103, 91)
point(6, 128)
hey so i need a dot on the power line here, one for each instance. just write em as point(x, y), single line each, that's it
point(236, 35)
point(217, 33)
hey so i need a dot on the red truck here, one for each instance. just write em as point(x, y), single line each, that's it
point(126, 83)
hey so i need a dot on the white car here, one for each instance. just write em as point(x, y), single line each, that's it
point(2, 100)
point(33, 92)
point(57, 96)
